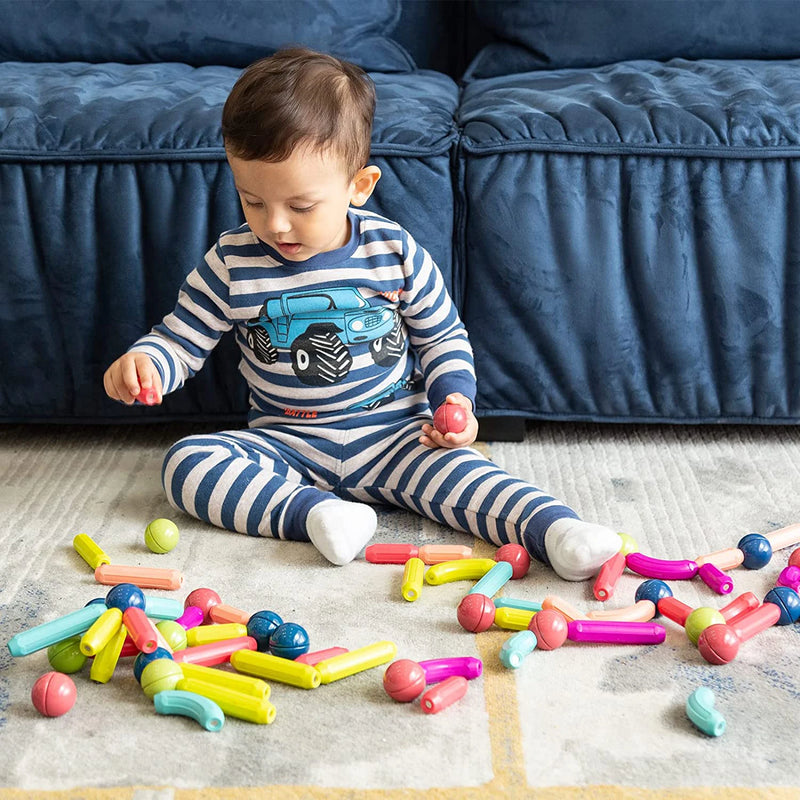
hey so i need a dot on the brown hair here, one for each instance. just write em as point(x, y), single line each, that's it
point(299, 96)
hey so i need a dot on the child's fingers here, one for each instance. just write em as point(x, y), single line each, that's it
point(149, 376)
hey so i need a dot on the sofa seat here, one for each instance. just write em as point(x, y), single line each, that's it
point(647, 265)
point(116, 181)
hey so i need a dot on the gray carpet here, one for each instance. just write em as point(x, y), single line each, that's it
point(567, 723)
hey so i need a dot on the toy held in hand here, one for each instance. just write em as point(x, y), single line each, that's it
point(148, 396)
point(450, 418)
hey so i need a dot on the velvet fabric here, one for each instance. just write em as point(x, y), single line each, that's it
point(650, 245)
point(231, 33)
point(113, 184)
point(557, 34)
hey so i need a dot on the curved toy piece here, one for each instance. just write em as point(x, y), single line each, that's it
point(189, 704)
point(700, 710)
point(439, 669)
point(661, 568)
point(463, 569)
point(642, 611)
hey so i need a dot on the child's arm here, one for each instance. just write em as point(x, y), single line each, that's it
point(440, 340)
point(177, 347)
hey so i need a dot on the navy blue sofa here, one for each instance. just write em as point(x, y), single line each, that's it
point(611, 188)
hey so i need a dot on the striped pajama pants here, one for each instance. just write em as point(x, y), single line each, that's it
point(263, 481)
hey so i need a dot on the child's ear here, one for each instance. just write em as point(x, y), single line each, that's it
point(364, 184)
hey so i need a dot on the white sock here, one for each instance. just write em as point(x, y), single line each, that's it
point(578, 549)
point(339, 529)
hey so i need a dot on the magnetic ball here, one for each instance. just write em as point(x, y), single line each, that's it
point(124, 596)
point(794, 558)
point(53, 694)
point(629, 544)
point(700, 619)
point(161, 535)
point(550, 627)
point(261, 626)
point(517, 556)
point(159, 675)
point(404, 680)
point(288, 641)
point(788, 601)
point(757, 550)
point(143, 659)
point(718, 644)
point(450, 418)
point(476, 613)
point(173, 632)
point(66, 656)
point(653, 590)
point(204, 599)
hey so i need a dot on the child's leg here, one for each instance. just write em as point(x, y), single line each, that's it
point(462, 489)
point(265, 485)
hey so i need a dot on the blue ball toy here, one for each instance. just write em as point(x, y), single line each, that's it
point(653, 590)
point(288, 641)
point(124, 596)
point(261, 626)
point(788, 601)
point(143, 659)
point(757, 550)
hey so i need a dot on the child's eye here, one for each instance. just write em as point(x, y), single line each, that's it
point(253, 205)
point(303, 210)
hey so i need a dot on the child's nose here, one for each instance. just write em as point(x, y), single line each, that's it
point(278, 222)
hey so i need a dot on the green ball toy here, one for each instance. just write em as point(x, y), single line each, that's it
point(174, 633)
point(161, 535)
point(700, 619)
point(160, 675)
point(66, 656)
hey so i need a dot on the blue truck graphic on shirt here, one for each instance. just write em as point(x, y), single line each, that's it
point(318, 326)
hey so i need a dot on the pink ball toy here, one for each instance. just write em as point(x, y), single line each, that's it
point(205, 600)
point(53, 694)
point(404, 680)
point(517, 556)
point(550, 627)
point(718, 644)
point(450, 418)
point(476, 613)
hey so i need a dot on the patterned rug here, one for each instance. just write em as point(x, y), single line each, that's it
point(583, 721)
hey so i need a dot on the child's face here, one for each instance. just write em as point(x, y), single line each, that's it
point(299, 206)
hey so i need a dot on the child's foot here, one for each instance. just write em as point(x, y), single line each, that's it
point(339, 529)
point(578, 549)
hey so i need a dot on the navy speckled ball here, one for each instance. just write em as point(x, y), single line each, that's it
point(757, 550)
point(288, 641)
point(788, 601)
point(261, 626)
point(653, 590)
point(143, 659)
point(124, 596)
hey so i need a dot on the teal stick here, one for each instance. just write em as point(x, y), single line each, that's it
point(78, 622)
point(494, 580)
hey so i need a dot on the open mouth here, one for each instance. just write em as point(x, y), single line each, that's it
point(289, 248)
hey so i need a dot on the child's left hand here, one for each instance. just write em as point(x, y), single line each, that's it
point(432, 438)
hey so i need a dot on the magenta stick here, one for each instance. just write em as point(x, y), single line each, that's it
point(192, 616)
point(597, 630)
point(438, 669)
point(715, 579)
point(660, 568)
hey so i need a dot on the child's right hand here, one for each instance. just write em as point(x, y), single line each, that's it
point(129, 375)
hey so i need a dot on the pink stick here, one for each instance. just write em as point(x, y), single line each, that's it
point(439, 669)
point(715, 579)
point(660, 568)
point(594, 630)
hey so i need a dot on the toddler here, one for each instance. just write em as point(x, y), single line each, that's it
point(348, 340)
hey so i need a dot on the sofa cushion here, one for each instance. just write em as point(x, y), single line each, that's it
point(113, 184)
point(646, 264)
point(554, 34)
point(224, 32)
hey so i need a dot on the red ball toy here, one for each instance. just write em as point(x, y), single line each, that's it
point(718, 644)
point(53, 694)
point(794, 558)
point(476, 613)
point(450, 418)
point(205, 600)
point(404, 680)
point(550, 627)
point(517, 556)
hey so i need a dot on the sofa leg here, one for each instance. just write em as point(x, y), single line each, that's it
point(501, 429)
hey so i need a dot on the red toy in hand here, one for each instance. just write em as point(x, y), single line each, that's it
point(450, 418)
